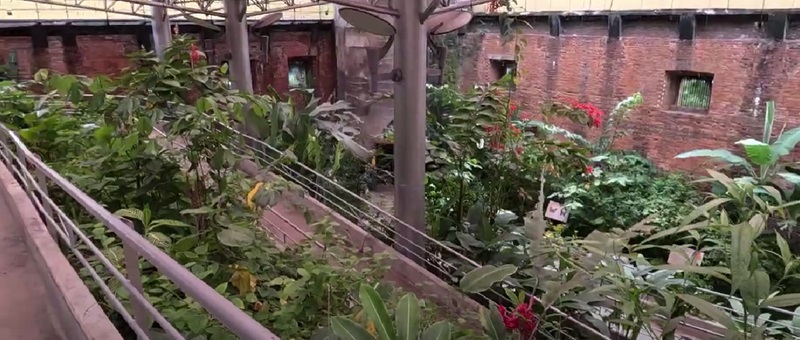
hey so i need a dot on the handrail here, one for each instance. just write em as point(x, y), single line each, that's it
point(218, 306)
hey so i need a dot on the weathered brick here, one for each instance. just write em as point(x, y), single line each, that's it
point(582, 64)
point(101, 53)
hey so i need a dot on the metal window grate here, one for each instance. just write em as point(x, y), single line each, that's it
point(10, 70)
point(694, 93)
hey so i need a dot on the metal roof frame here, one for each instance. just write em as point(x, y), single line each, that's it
point(215, 8)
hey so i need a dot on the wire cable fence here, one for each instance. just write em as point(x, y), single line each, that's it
point(435, 256)
point(35, 177)
point(439, 258)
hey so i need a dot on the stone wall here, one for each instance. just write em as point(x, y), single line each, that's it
point(749, 62)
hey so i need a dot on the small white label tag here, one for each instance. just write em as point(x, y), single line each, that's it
point(555, 211)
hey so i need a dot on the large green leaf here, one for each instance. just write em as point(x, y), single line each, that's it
point(786, 142)
point(781, 301)
point(758, 152)
point(755, 288)
point(790, 177)
point(441, 330)
point(722, 154)
point(406, 317)
point(786, 253)
point(741, 253)
point(699, 211)
point(492, 323)
point(347, 329)
point(708, 309)
point(376, 311)
point(483, 278)
point(681, 229)
point(236, 237)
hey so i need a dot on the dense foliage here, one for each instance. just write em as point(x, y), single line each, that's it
point(182, 190)
point(159, 146)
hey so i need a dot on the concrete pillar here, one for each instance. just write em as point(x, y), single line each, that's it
point(162, 36)
point(409, 131)
point(237, 38)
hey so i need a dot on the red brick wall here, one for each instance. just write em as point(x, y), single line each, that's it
point(106, 54)
point(582, 64)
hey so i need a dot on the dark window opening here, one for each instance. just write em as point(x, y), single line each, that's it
point(9, 68)
point(301, 72)
point(504, 69)
point(501, 68)
point(690, 91)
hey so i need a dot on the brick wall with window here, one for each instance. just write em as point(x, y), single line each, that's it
point(703, 93)
point(94, 50)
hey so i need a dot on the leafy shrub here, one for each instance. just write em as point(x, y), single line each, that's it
point(621, 190)
point(207, 220)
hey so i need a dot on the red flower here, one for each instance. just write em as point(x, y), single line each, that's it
point(511, 109)
point(510, 319)
point(521, 319)
point(496, 145)
point(194, 55)
point(589, 170)
point(592, 111)
point(519, 150)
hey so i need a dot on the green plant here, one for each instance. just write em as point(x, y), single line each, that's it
point(406, 323)
point(155, 153)
point(747, 277)
point(620, 190)
point(762, 161)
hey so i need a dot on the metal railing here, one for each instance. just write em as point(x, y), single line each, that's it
point(34, 175)
point(438, 258)
point(443, 261)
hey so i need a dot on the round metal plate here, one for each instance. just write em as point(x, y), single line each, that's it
point(368, 22)
point(447, 22)
point(267, 20)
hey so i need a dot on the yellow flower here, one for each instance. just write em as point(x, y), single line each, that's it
point(558, 228)
point(371, 328)
point(549, 235)
point(252, 194)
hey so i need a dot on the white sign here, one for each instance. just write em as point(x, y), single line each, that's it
point(682, 257)
point(555, 211)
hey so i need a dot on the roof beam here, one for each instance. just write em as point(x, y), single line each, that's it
point(107, 6)
point(205, 6)
point(79, 6)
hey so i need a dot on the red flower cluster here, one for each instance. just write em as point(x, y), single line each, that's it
point(194, 55)
point(592, 111)
point(496, 140)
point(520, 318)
point(589, 170)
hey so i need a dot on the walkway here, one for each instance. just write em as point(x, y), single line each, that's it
point(22, 295)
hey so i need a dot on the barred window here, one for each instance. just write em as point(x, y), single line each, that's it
point(690, 91)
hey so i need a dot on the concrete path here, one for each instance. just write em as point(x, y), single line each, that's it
point(23, 305)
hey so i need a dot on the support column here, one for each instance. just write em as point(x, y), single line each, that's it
point(237, 36)
point(409, 130)
point(162, 36)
